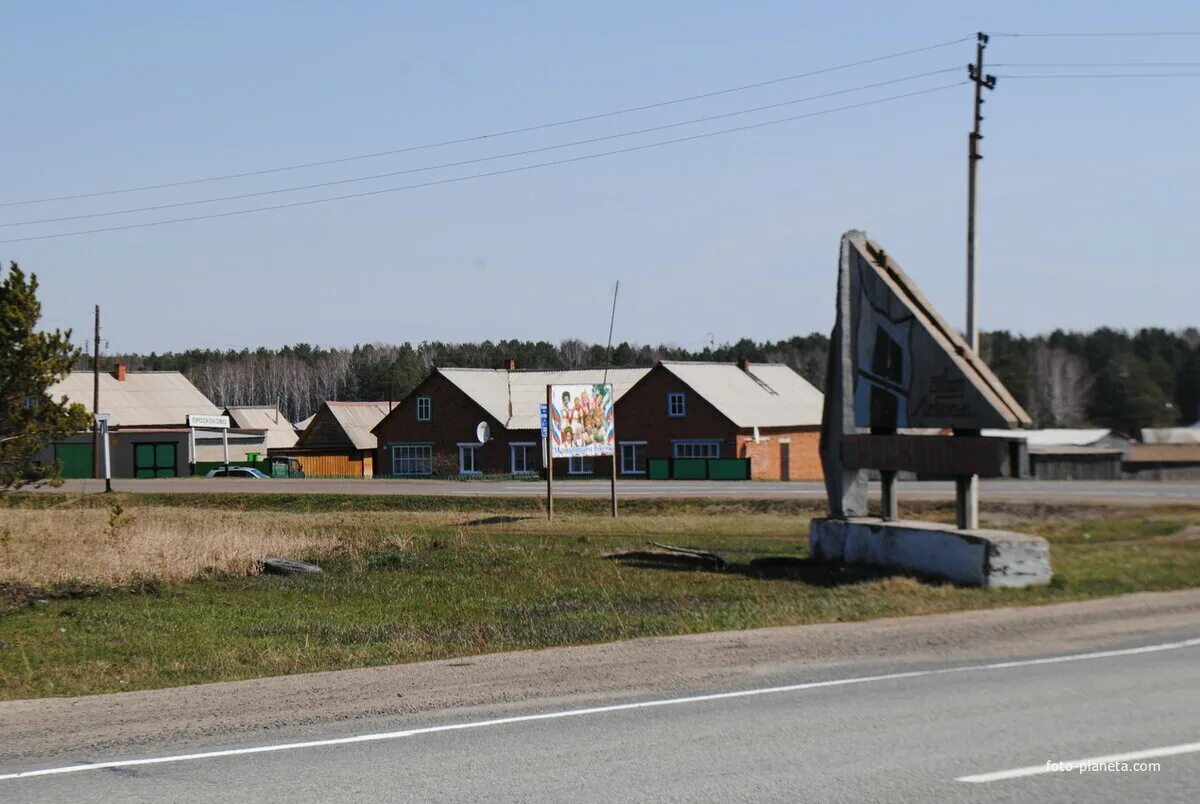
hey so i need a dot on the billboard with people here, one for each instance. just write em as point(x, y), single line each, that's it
point(581, 420)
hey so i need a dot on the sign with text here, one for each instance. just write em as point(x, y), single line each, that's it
point(216, 422)
point(545, 420)
point(581, 421)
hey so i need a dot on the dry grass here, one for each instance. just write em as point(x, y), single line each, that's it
point(115, 546)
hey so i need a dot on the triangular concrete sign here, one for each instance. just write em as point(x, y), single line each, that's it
point(909, 368)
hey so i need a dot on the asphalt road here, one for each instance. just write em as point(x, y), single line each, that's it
point(1098, 491)
point(970, 727)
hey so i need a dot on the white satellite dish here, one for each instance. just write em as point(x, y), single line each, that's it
point(483, 432)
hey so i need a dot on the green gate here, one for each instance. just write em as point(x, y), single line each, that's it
point(154, 460)
point(76, 460)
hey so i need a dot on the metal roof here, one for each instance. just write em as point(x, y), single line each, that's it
point(280, 431)
point(513, 397)
point(1054, 437)
point(143, 398)
point(1171, 435)
point(304, 423)
point(768, 395)
point(358, 418)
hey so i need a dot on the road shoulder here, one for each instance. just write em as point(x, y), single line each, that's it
point(598, 673)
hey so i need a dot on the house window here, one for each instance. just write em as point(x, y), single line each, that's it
point(424, 408)
point(468, 459)
point(696, 449)
point(410, 460)
point(676, 405)
point(579, 466)
point(522, 458)
point(633, 457)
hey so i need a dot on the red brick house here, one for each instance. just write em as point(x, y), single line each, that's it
point(433, 430)
point(765, 412)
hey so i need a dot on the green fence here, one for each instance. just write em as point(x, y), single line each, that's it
point(698, 468)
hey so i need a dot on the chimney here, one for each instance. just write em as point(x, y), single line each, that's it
point(744, 364)
point(119, 371)
point(511, 364)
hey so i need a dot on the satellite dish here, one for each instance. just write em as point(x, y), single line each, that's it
point(483, 432)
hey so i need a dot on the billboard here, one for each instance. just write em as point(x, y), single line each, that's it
point(581, 420)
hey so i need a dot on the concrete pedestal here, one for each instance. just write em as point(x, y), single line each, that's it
point(990, 558)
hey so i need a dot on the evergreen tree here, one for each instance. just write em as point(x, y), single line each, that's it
point(30, 362)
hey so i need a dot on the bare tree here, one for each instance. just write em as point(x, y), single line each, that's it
point(1060, 387)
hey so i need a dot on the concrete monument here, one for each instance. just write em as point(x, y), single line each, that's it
point(894, 366)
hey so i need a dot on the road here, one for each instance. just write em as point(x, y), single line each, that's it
point(962, 707)
point(1073, 491)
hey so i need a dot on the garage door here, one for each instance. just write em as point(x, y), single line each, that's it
point(76, 460)
point(154, 460)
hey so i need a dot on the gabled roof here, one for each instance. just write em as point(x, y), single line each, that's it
point(357, 419)
point(767, 395)
point(303, 424)
point(280, 432)
point(513, 397)
point(142, 399)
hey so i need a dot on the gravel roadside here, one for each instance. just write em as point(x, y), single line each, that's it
point(597, 673)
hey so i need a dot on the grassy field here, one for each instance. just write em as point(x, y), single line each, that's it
point(99, 594)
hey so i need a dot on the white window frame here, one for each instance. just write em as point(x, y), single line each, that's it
point(581, 465)
point(425, 403)
point(672, 396)
point(638, 446)
point(463, 448)
point(526, 446)
point(421, 446)
point(693, 445)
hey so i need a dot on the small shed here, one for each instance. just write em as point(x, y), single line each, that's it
point(338, 442)
point(1163, 462)
point(1072, 453)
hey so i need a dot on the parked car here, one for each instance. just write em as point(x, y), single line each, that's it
point(238, 471)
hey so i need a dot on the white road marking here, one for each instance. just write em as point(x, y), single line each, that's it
point(597, 710)
point(1037, 770)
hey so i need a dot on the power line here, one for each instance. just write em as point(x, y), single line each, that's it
point(493, 134)
point(1099, 75)
point(477, 160)
point(1102, 64)
point(505, 171)
point(1129, 34)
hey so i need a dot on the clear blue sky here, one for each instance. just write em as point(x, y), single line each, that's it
point(1089, 189)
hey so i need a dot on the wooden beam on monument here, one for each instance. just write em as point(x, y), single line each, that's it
point(928, 455)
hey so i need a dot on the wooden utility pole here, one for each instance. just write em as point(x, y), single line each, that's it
point(967, 486)
point(96, 398)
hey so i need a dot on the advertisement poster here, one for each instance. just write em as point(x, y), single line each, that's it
point(581, 420)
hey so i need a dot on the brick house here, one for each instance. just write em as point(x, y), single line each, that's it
point(764, 412)
point(433, 430)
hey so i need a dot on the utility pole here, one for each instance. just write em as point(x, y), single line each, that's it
point(981, 82)
point(967, 486)
point(96, 398)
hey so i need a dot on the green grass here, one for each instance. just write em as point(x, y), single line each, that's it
point(477, 576)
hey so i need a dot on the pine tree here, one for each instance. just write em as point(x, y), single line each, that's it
point(30, 362)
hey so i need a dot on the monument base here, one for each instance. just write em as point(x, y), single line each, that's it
point(990, 558)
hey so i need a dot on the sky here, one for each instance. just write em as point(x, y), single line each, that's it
point(1088, 192)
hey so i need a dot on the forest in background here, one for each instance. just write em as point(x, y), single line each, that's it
point(1104, 378)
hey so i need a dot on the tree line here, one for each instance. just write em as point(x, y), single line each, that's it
point(1105, 378)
